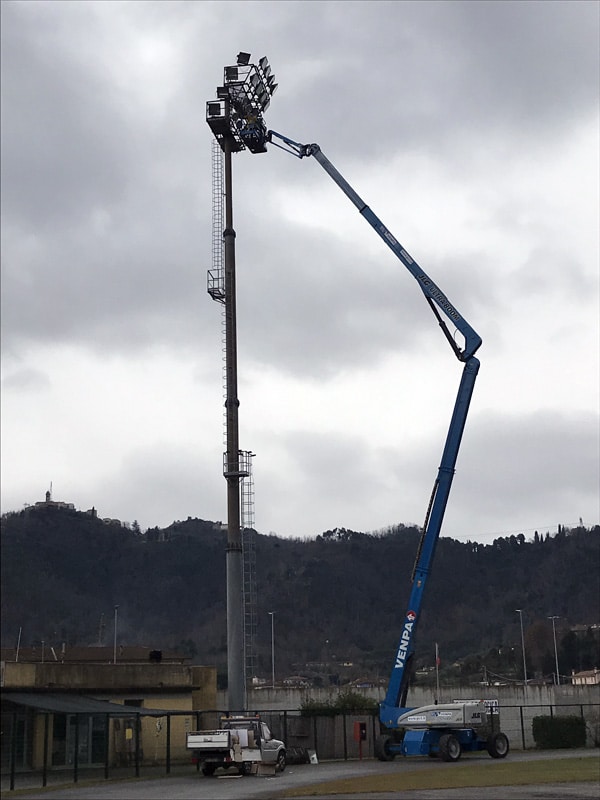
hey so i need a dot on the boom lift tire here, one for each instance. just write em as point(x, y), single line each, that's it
point(450, 749)
point(381, 748)
point(497, 745)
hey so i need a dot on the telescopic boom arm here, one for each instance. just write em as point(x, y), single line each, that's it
point(433, 294)
point(394, 704)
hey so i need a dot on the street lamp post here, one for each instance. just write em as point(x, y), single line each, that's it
point(520, 613)
point(557, 681)
point(236, 120)
point(272, 615)
point(115, 637)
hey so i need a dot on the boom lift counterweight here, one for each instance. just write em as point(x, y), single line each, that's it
point(443, 730)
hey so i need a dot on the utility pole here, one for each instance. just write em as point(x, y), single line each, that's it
point(272, 615)
point(115, 635)
point(520, 613)
point(553, 618)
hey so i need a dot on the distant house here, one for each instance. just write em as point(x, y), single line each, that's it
point(362, 683)
point(589, 677)
point(296, 682)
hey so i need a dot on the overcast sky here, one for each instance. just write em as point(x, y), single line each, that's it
point(470, 128)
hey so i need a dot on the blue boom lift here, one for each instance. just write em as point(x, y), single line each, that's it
point(444, 730)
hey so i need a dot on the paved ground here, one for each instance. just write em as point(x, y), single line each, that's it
point(185, 784)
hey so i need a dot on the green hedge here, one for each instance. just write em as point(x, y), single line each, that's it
point(558, 732)
point(344, 703)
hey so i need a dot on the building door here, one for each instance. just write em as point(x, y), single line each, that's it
point(84, 732)
point(16, 737)
point(78, 736)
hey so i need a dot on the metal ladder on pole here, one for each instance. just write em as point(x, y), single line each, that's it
point(249, 551)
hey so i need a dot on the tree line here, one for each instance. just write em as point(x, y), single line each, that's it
point(338, 598)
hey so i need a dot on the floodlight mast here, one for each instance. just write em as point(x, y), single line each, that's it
point(236, 120)
point(393, 706)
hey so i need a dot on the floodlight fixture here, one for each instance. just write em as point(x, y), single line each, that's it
point(245, 95)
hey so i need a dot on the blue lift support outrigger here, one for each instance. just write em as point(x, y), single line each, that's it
point(430, 730)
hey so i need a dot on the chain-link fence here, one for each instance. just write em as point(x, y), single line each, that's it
point(322, 737)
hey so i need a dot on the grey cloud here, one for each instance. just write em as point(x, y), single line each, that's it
point(162, 482)
point(105, 193)
point(26, 379)
point(521, 466)
point(67, 146)
point(444, 76)
point(106, 207)
point(311, 481)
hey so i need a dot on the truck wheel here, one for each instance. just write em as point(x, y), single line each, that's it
point(280, 765)
point(246, 768)
point(450, 748)
point(382, 751)
point(208, 769)
point(497, 745)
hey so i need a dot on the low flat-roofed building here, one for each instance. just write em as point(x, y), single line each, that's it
point(53, 709)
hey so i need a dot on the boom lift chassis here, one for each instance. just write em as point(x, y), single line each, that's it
point(444, 730)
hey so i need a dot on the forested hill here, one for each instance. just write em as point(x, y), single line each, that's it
point(338, 598)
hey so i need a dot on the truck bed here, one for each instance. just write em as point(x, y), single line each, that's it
point(209, 740)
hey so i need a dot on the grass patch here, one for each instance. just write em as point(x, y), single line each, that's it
point(453, 776)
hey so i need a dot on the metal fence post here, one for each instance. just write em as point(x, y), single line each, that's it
point(374, 727)
point(106, 746)
point(46, 737)
point(13, 751)
point(76, 754)
point(522, 726)
point(137, 744)
point(168, 758)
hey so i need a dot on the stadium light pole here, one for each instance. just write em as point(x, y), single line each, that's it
point(272, 615)
point(236, 120)
point(520, 613)
point(553, 618)
point(115, 635)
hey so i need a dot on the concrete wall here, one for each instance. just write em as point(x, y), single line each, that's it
point(287, 699)
point(517, 708)
point(112, 678)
